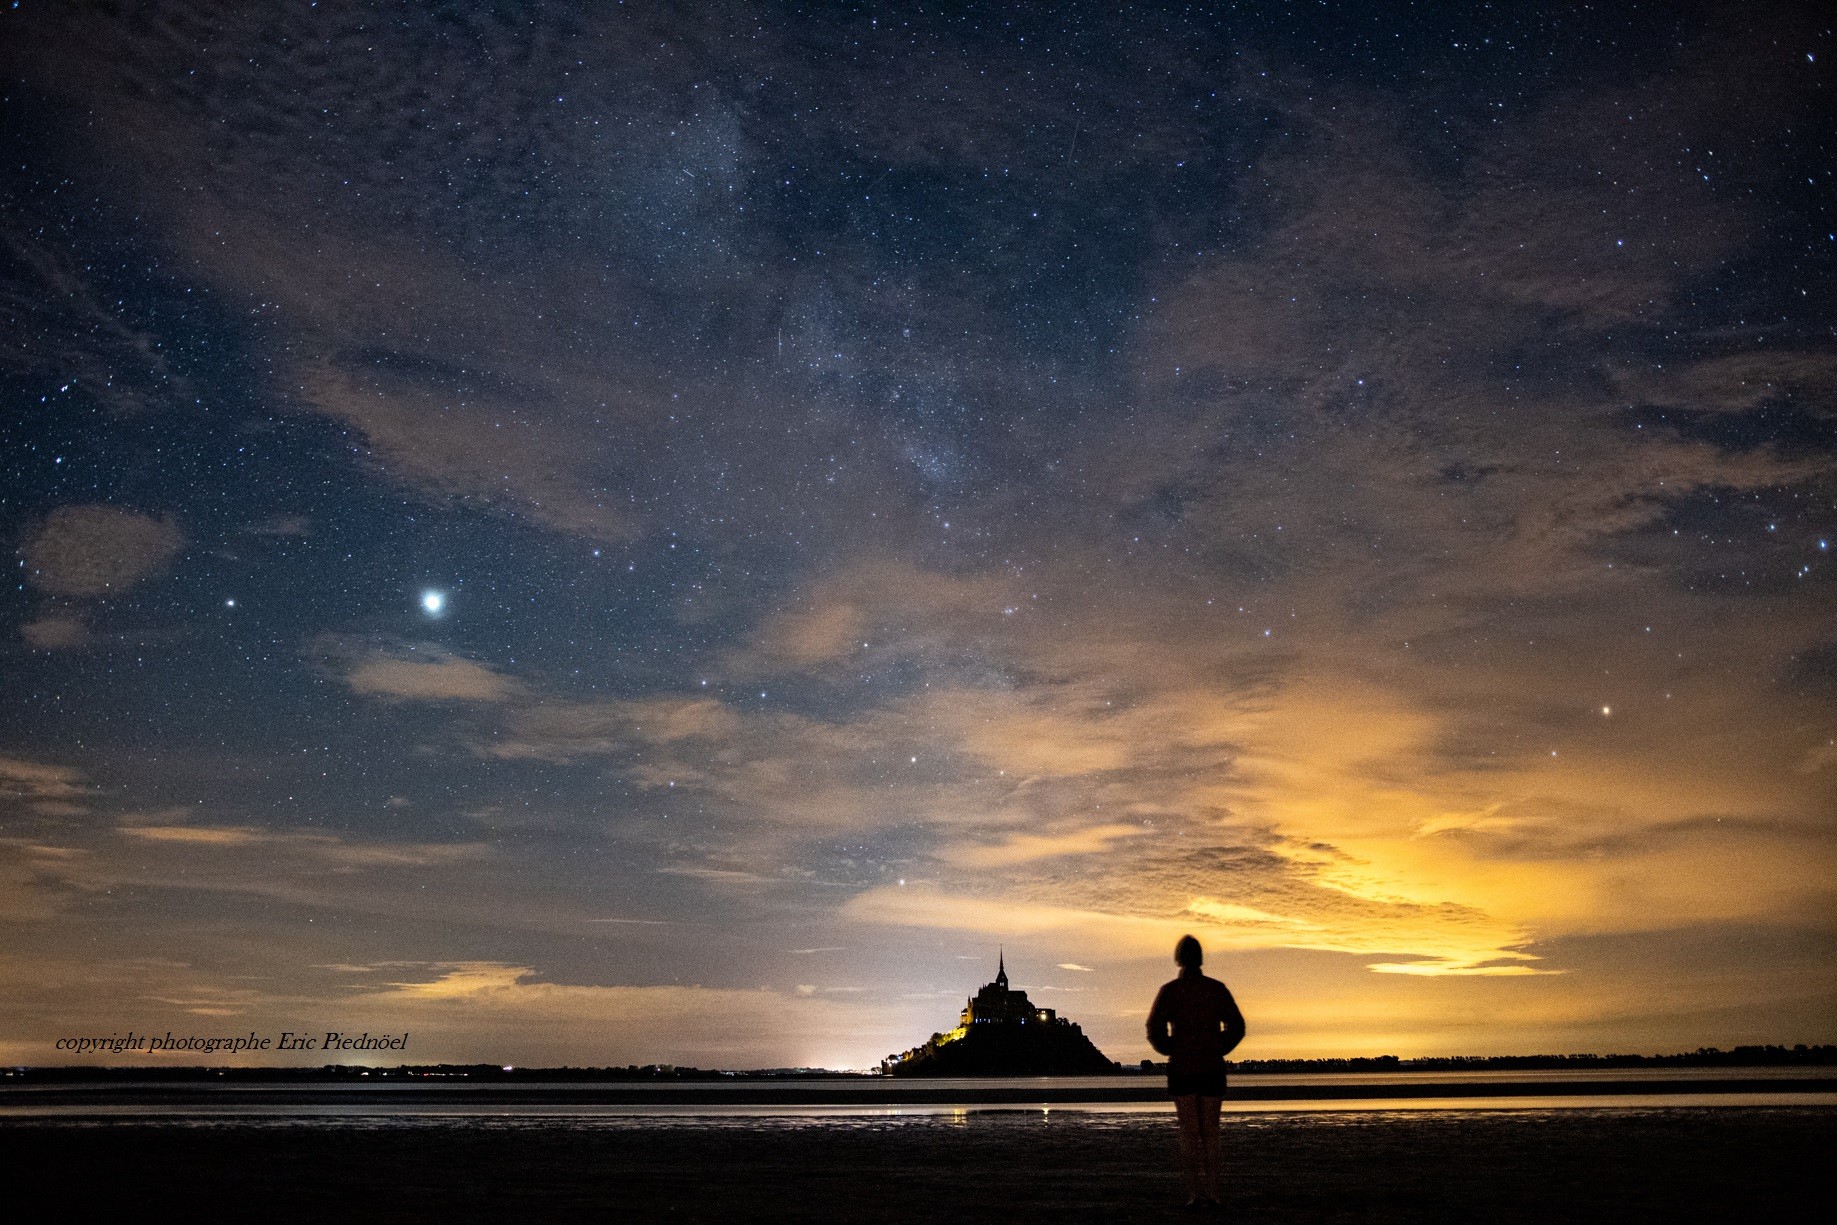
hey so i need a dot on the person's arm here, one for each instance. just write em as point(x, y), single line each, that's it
point(1157, 1025)
point(1234, 1024)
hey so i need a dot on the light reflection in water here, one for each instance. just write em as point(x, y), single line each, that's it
point(377, 1114)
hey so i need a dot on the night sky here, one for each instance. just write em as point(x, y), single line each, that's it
point(635, 533)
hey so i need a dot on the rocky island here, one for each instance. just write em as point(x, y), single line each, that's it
point(1001, 1033)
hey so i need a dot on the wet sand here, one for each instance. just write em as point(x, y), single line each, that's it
point(1653, 1165)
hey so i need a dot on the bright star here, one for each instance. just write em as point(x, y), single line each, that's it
point(433, 603)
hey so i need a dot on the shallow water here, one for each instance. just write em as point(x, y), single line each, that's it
point(870, 1102)
point(364, 1108)
point(905, 1119)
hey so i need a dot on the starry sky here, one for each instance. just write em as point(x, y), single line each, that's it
point(625, 533)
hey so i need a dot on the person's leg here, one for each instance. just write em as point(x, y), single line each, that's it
point(1187, 1108)
point(1207, 1110)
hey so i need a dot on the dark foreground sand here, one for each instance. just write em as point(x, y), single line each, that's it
point(1723, 1165)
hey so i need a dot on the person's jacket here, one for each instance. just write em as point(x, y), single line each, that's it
point(1194, 1022)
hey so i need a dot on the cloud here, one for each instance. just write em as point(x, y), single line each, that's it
point(1441, 940)
point(52, 862)
point(46, 789)
point(478, 448)
point(717, 876)
point(88, 341)
point(1024, 848)
point(1440, 968)
point(426, 673)
point(1274, 598)
point(95, 550)
point(1235, 914)
point(827, 632)
point(344, 852)
point(464, 1010)
point(561, 731)
point(1309, 812)
point(491, 1001)
point(1738, 382)
point(512, 393)
point(1072, 965)
point(1349, 394)
point(56, 632)
point(207, 835)
point(777, 769)
point(281, 525)
point(863, 614)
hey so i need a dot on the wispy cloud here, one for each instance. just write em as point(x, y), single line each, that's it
point(416, 672)
point(1024, 848)
point(44, 788)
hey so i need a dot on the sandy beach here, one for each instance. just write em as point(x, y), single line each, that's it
point(1589, 1165)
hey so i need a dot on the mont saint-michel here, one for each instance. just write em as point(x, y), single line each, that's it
point(1001, 1033)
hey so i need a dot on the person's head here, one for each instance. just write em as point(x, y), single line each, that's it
point(1188, 955)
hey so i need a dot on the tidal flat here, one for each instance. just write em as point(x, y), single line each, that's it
point(1622, 1165)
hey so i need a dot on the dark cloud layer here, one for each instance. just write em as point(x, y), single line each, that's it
point(739, 508)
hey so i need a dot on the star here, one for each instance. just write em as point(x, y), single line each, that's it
point(433, 603)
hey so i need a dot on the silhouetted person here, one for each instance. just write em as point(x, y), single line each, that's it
point(1195, 1023)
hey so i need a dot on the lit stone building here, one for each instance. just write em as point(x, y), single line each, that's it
point(996, 1003)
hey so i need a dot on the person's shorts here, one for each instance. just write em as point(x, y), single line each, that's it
point(1206, 1082)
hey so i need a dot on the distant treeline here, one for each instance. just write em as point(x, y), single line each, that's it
point(1702, 1057)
